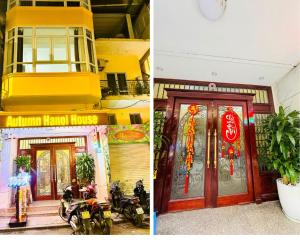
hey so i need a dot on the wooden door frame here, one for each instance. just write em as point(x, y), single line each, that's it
point(164, 175)
point(52, 147)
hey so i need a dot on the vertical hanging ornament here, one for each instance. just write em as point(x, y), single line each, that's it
point(193, 109)
point(230, 134)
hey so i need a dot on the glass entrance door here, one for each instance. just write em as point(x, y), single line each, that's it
point(211, 164)
point(53, 170)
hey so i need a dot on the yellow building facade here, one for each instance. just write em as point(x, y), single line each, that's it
point(61, 87)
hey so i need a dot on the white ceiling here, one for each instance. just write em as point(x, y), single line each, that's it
point(122, 46)
point(254, 42)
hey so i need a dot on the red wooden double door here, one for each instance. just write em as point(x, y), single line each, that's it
point(54, 167)
point(211, 183)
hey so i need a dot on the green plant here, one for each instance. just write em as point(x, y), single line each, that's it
point(139, 88)
point(282, 131)
point(23, 161)
point(85, 168)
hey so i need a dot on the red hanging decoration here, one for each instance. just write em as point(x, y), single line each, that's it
point(231, 134)
point(230, 154)
point(193, 109)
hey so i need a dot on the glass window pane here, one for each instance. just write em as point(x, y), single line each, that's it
point(196, 175)
point(43, 172)
point(88, 34)
point(91, 51)
point(237, 182)
point(50, 31)
point(25, 32)
point(24, 49)
point(60, 49)
point(52, 68)
point(63, 169)
point(78, 67)
point(10, 52)
point(11, 33)
point(43, 49)
point(24, 68)
point(75, 31)
point(77, 49)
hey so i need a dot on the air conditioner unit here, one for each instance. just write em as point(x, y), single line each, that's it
point(101, 64)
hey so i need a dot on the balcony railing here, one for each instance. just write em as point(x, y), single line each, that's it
point(132, 87)
point(50, 3)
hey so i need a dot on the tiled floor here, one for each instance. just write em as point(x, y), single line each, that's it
point(265, 218)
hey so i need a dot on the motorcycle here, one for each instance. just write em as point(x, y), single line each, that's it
point(144, 197)
point(128, 206)
point(80, 218)
point(100, 216)
point(65, 203)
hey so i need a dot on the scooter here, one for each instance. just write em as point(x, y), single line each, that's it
point(144, 197)
point(128, 206)
point(100, 216)
point(80, 218)
point(65, 203)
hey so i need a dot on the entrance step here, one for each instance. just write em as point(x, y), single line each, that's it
point(46, 208)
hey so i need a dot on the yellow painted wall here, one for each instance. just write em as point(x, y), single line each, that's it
point(49, 16)
point(130, 163)
point(54, 88)
point(123, 118)
point(128, 64)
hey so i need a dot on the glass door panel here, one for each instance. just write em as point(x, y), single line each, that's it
point(43, 160)
point(235, 182)
point(196, 175)
point(62, 169)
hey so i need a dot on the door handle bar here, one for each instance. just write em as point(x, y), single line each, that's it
point(208, 149)
point(215, 150)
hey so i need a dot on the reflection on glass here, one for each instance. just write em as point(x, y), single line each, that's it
point(43, 49)
point(43, 172)
point(63, 169)
point(60, 49)
point(52, 67)
point(237, 183)
point(196, 177)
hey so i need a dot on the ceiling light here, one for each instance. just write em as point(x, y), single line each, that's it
point(212, 9)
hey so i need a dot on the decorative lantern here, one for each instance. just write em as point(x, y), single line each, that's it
point(230, 134)
point(193, 109)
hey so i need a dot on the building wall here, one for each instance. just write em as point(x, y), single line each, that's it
point(286, 91)
point(128, 64)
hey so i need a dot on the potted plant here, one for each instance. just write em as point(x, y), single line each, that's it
point(23, 161)
point(85, 169)
point(282, 133)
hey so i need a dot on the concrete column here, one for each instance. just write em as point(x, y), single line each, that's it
point(100, 162)
point(8, 154)
point(129, 26)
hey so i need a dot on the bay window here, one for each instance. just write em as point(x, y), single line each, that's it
point(43, 49)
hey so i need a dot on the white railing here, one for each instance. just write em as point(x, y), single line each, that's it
point(55, 3)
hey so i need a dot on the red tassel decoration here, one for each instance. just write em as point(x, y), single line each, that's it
point(223, 149)
point(231, 167)
point(186, 185)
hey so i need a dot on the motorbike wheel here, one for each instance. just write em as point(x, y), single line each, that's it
point(127, 212)
point(138, 220)
point(106, 227)
point(87, 227)
point(62, 215)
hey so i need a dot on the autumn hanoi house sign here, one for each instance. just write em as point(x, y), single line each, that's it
point(52, 120)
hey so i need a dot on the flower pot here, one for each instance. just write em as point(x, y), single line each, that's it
point(289, 199)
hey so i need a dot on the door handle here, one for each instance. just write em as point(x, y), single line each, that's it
point(54, 171)
point(208, 149)
point(215, 151)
